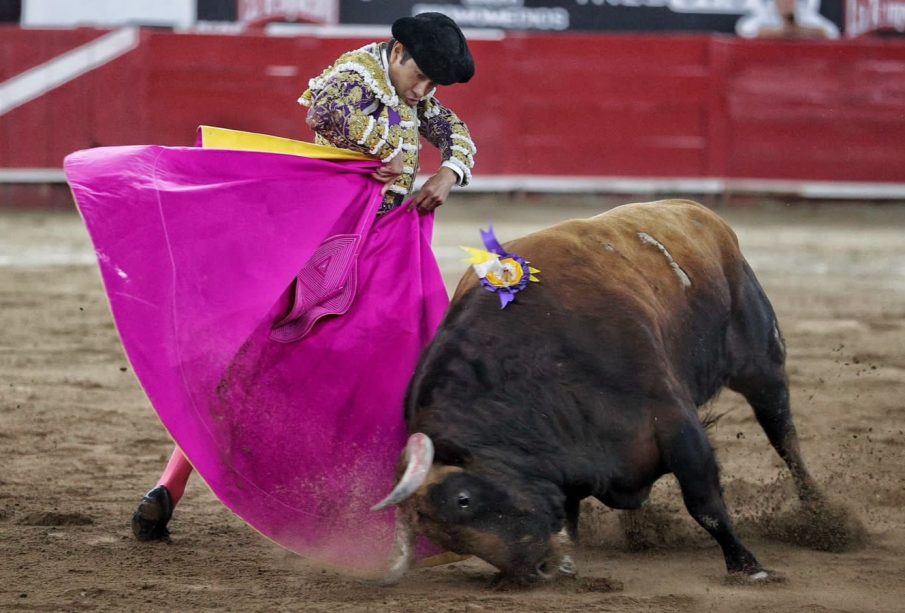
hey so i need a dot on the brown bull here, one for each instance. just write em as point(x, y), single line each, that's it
point(589, 385)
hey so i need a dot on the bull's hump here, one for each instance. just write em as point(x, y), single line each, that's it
point(620, 226)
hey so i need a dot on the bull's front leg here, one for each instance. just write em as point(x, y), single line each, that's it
point(572, 510)
point(690, 457)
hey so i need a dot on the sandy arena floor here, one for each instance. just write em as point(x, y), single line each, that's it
point(79, 445)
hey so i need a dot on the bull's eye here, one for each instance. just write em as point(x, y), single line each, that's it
point(463, 500)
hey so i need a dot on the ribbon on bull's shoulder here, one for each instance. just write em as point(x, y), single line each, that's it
point(501, 272)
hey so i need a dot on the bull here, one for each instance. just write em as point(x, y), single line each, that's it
point(589, 384)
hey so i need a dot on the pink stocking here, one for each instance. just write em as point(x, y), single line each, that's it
point(176, 475)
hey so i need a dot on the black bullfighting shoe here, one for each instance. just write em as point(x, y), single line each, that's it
point(149, 522)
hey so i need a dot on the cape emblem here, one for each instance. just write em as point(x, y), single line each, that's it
point(501, 272)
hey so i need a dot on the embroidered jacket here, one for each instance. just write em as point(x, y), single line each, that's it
point(353, 105)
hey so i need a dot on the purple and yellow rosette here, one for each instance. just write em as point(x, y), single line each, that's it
point(501, 272)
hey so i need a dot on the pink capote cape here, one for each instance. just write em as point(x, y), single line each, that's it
point(222, 269)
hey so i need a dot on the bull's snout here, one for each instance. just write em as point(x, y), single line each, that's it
point(532, 565)
point(547, 570)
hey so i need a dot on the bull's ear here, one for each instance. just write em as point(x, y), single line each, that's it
point(450, 453)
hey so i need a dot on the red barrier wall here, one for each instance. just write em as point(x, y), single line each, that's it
point(639, 106)
point(832, 111)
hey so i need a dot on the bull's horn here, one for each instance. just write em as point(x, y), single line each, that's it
point(419, 455)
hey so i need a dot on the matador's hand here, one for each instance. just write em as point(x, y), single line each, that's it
point(388, 173)
point(434, 191)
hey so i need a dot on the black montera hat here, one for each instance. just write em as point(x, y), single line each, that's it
point(437, 45)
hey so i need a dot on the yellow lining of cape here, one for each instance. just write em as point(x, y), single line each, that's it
point(237, 140)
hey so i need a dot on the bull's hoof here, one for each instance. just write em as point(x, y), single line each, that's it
point(756, 577)
point(567, 567)
point(149, 522)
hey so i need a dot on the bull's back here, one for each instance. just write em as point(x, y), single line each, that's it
point(656, 255)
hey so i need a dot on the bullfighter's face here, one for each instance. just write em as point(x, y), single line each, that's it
point(473, 514)
point(410, 82)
